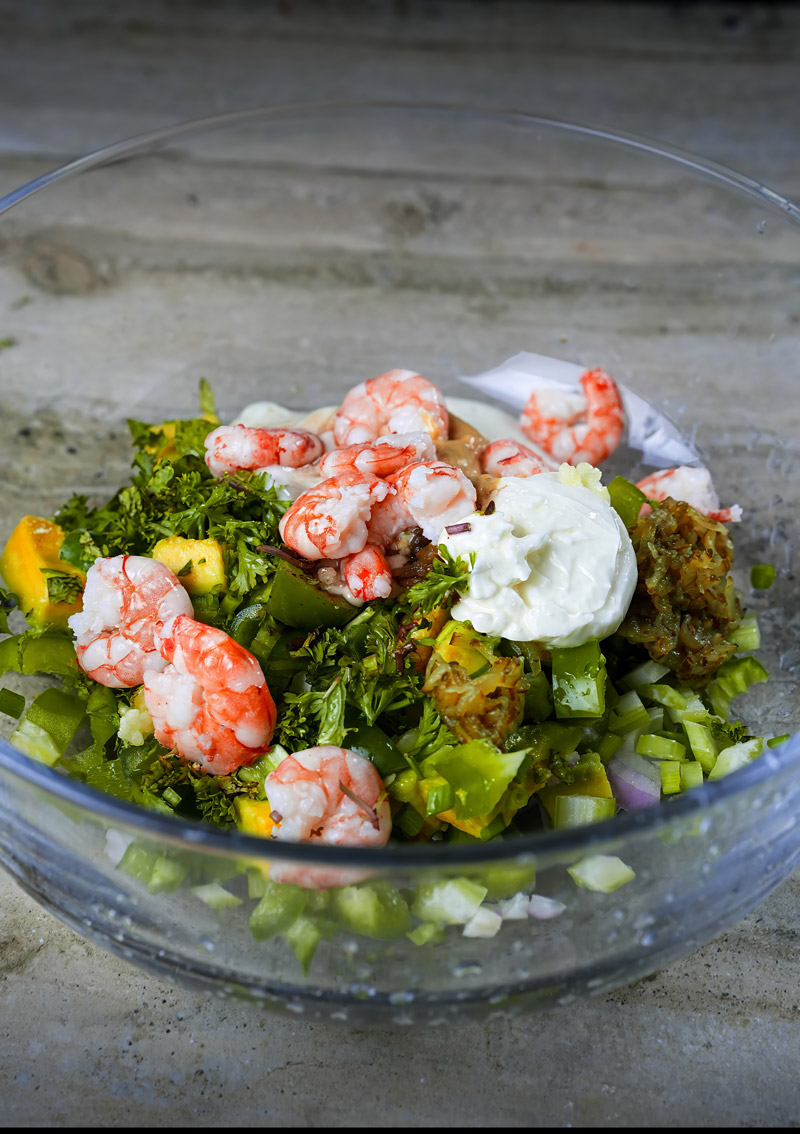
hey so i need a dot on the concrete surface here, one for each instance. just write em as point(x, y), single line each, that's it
point(85, 1040)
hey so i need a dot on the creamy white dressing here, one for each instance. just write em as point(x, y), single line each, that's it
point(553, 563)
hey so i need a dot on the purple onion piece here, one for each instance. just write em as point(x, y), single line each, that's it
point(456, 529)
point(635, 781)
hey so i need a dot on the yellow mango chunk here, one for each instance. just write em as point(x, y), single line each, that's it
point(253, 816)
point(205, 555)
point(165, 448)
point(31, 550)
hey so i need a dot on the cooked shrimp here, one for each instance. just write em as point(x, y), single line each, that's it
point(506, 457)
point(588, 433)
point(128, 601)
point(429, 495)
point(692, 485)
point(211, 704)
point(399, 401)
point(329, 795)
point(381, 457)
point(332, 519)
point(367, 574)
point(233, 447)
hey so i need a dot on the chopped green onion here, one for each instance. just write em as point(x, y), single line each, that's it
point(603, 873)
point(776, 741)
point(409, 820)
point(670, 777)
point(441, 797)
point(691, 774)
point(170, 796)
point(762, 576)
point(11, 704)
point(660, 747)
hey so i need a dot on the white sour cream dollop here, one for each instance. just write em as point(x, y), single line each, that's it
point(553, 563)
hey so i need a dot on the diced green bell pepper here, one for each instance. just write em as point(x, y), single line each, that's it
point(295, 600)
point(579, 680)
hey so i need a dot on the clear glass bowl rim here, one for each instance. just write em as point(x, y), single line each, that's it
point(232, 843)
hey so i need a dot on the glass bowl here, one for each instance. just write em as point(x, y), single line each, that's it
point(285, 254)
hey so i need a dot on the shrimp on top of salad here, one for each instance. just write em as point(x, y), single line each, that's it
point(587, 432)
point(128, 602)
point(399, 401)
point(210, 703)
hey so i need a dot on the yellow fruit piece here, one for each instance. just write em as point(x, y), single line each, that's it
point(31, 550)
point(253, 816)
point(165, 449)
point(205, 555)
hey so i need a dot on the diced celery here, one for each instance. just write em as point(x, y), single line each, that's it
point(735, 756)
point(665, 695)
point(33, 741)
point(608, 746)
point(579, 810)
point(643, 676)
point(376, 909)
point(216, 896)
point(704, 748)
point(660, 747)
point(579, 680)
point(746, 635)
point(280, 904)
point(484, 922)
point(628, 714)
point(409, 820)
point(736, 675)
point(603, 873)
point(303, 936)
point(691, 775)
point(450, 902)
point(426, 933)
point(670, 777)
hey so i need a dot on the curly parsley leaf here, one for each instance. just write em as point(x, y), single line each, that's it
point(446, 577)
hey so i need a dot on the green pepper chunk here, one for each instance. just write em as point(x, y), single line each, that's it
point(626, 500)
point(295, 600)
point(372, 742)
point(246, 623)
point(579, 680)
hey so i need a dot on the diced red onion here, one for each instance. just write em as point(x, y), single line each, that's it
point(635, 780)
point(457, 529)
point(276, 816)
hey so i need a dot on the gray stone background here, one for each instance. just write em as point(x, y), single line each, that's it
point(84, 1039)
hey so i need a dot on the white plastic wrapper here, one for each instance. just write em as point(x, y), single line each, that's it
point(512, 382)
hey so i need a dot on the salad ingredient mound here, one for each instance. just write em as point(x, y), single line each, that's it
point(375, 622)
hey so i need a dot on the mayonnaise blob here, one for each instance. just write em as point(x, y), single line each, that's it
point(553, 563)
